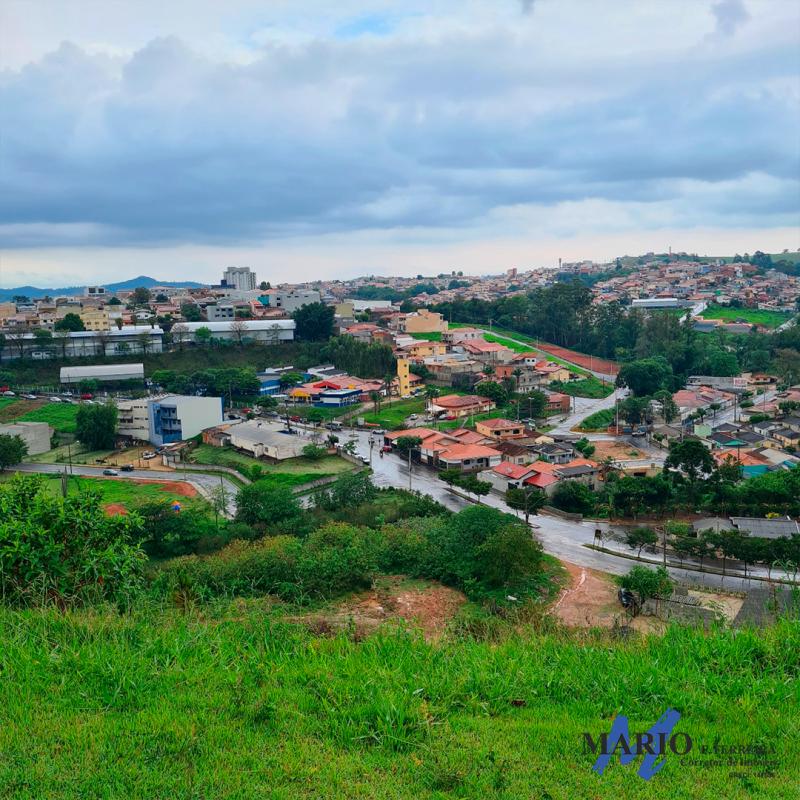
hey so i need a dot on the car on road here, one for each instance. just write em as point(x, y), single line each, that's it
point(378, 432)
point(9, 393)
point(295, 418)
point(288, 430)
point(55, 399)
point(29, 396)
point(413, 416)
point(148, 454)
point(387, 448)
point(110, 472)
point(364, 460)
point(126, 468)
point(87, 396)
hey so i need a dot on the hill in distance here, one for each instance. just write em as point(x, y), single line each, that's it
point(118, 286)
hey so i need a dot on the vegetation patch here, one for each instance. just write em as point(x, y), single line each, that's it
point(598, 421)
point(60, 416)
point(393, 415)
point(752, 316)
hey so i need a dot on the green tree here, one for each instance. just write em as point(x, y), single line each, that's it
point(314, 453)
point(535, 403)
point(262, 505)
point(573, 497)
point(191, 312)
point(141, 296)
point(645, 376)
point(96, 426)
point(314, 322)
point(12, 450)
point(496, 392)
point(639, 538)
point(70, 322)
point(669, 408)
point(689, 462)
point(646, 583)
point(65, 551)
point(525, 499)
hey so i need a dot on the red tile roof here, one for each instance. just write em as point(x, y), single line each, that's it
point(513, 471)
point(499, 423)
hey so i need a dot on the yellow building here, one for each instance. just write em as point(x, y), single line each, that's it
point(424, 349)
point(95, 319)
point(423, 321)
point(403, 377)
point(7, 310)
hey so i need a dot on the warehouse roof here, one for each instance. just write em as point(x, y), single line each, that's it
point(102, 371)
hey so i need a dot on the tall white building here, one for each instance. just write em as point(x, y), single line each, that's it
point(242, 278)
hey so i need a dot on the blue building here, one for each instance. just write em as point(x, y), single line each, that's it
point(174, 418)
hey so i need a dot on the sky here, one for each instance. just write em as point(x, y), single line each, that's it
point(318, 140)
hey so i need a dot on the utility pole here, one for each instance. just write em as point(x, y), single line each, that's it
point(409, 469)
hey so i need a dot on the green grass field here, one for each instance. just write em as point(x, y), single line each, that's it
point(753, 316)
point(598, 421)
point(124, 492)
point(289, 473)
point(434, 336)
point(393, 415)
point(238, 702)
point(61, 416)
point(585, 387)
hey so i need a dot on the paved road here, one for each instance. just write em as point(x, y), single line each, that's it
point(583, 407)
point(204, 484)
point(563, 539)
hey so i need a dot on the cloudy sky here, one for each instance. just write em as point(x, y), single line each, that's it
point(310, 139)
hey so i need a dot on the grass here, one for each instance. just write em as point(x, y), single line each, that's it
point(584, 387)
point(289, 473)
point(393, 415)
point(598, 421)
point(434, 336)
point(238, 702)
point(753, 316)
point(61, 416)
point(122, 491)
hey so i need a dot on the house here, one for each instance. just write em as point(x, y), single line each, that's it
point(455, 336)
point(422, 321)
point(469, 457)
point(786, 437)
point(553, 452)
point(582, 470)
point(749, 464)
point(460, 448)
point(450, 369)
point(421, 349)
point(514, 452)
point(36, 435)
point(262, 441)
point(487, 352)
point(524, 377)
point(500, 428)
point(455, 405)
point(550, 371)
point(558, 402)
point(505, 475)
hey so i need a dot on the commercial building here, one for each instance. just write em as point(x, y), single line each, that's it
point(173, 418)
point(133, 421)
point(103, 373)
point(242, 278)
point(83, 344)
point(261, 440)
point(216, 312)
point(658, 302)
point(290, 300)
point(262, 331)
point(36, 435)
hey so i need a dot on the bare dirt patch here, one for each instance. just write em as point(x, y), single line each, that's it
point(427, 606)
point(115, 509)
point(618, 451)
point(175, 487)
point(19, 407)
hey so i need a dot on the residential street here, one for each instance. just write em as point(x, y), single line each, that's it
point(560, 538)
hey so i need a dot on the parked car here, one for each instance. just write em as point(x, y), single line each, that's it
point(364, 460)
point(110, 472)
point(387, 448)
point(9, 393)
point(378, 432)
point(55, 399)
point(29, 396)
point(126, 468)
point(148, 454)
point(295, 418)
point(87, 396)
point(413, 416)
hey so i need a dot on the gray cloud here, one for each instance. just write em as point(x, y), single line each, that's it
point(170, 146)
point(729, 16)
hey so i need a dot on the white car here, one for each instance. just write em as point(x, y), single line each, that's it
point(148, 455)
point(9, 393)
point(29, 396)
point(55, 399)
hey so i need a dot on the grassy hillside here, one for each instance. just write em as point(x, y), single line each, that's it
point(753, 316)
point(234, 702)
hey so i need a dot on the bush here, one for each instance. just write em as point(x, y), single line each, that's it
point(573, 497)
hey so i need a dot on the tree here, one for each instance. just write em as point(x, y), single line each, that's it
point(376, 401)
point(535, 403)
point(639, 538)
point(646, 583)
point(261, 505)
point(203, 335)
point(96, 426)
point(12, 450)
point(496, 392)
point(239, 329)
point(141, 296)
point(264, 286)
point(471, 484)
point(88, 386)
point(689, 460)
point(180, 333)
point(314, 453)
point(573, 497)
point(69, 322)
point(645, 376)
point(669, 408)
point(191, 312)
point(143, 341)
point(526, 499)
point(161, 298)
point(314, 322)
point(450, 476)
point(115, 301)
point(65, 551)
point(634, 410)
